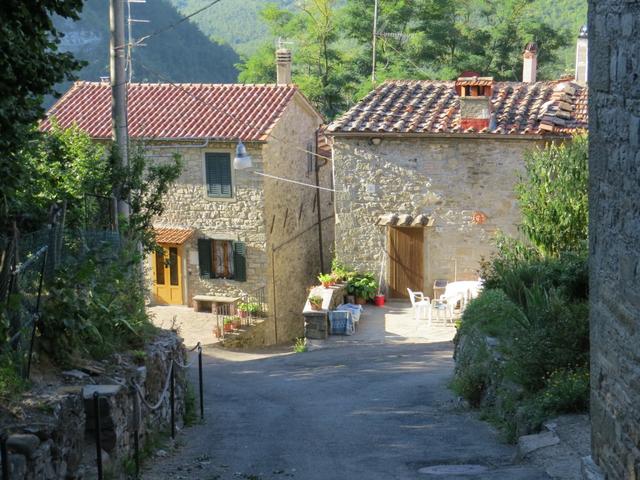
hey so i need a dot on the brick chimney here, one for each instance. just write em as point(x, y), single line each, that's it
point(283, 66)
point(475, 100)
point(530, 63)
point(582, 50)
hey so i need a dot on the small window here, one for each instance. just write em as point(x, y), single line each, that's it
point(222, 259)
point(218, 175)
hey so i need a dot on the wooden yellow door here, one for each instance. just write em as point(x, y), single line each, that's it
point(405, 261)
point(167, 275)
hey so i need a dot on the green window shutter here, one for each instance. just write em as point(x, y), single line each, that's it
point(218, 174)
point(240, 261)
point(204, 257)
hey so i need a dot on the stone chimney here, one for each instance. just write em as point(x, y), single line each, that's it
point(582, 50)
point(283, 66)
point(530, 63)
point(475, 100)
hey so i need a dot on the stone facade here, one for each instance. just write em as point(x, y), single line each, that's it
point(291, 213)
point(451, 179)
point(240, 218)
point(614, 166)
point(278, 221)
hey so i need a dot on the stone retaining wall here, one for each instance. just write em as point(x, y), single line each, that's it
point(52, 443)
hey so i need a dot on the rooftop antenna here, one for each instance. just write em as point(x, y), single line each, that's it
point(132, 42)
point(375, 34)
point(280, 43)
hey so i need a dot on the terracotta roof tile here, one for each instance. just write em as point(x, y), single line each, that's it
point(173, 235)
point(168, 111)
point(410, 106)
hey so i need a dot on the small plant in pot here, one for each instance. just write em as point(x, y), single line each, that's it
point(315, 301)
point(228, 325)
point(236, 322)
point(249, 309)
point(326, 280)
point(363, 286)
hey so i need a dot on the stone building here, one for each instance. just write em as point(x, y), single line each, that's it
point(614, 235)
point(425, 171)
point(228, 233)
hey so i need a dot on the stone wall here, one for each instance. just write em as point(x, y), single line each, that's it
point(614, 163)
point(57, 439)
point(239, 218)
point(449, 179)
point(292, 220)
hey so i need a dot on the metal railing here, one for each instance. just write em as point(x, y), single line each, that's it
point(250, 308)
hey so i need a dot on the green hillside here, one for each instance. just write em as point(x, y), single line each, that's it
point(235, 22)
point(181, 54)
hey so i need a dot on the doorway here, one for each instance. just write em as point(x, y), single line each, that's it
point(167, 274)
point(406, 262)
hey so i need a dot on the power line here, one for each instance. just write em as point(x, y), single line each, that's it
point(230, 115)
point(172, 25)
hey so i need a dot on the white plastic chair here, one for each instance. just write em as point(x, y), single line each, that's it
point(419, 303)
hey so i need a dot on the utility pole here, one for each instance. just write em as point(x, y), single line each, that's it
point(375, 35)
point(117, 65)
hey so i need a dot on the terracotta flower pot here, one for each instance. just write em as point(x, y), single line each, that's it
point(315, 306)
point(326, 284)
point(361, 300)
point(228, 327)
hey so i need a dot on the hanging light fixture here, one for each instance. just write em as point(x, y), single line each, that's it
point(242, 160)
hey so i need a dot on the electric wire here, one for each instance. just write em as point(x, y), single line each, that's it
point(230, 115)
point(168, 27)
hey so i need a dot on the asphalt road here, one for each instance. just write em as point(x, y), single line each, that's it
point(368, 412)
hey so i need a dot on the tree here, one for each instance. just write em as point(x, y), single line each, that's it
point(318, 63)
point(30, 64)
point(553, 197)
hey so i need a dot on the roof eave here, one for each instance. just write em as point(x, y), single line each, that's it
point(505, 136)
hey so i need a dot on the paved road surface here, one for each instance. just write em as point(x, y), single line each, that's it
point(369, 412)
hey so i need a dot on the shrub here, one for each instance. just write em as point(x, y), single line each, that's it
point(566, 391)
point(556, 337)
point(95, 305)
point(493, 313)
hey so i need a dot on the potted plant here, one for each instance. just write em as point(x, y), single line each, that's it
point(315, 301)
point(363, 286)
point(243, 309)
point(340, 272)
point(236, 322)
point(326, 280)
point(228, 326)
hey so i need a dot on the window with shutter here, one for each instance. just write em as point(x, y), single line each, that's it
point(222, 259)
point(218, 175)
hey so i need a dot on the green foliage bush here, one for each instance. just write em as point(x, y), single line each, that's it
point(493, 313)
point(535, 301)
point(95, 305)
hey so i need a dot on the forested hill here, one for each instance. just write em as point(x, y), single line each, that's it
point(181, 54)
point(238, 22)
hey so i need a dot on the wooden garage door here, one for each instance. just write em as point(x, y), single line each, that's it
point(405, 260)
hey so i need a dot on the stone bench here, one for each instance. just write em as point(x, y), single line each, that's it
point(212, 301)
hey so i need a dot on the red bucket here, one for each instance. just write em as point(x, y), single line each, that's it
point(378, 300)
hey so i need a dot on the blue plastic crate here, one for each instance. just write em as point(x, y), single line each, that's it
point(340, 323)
